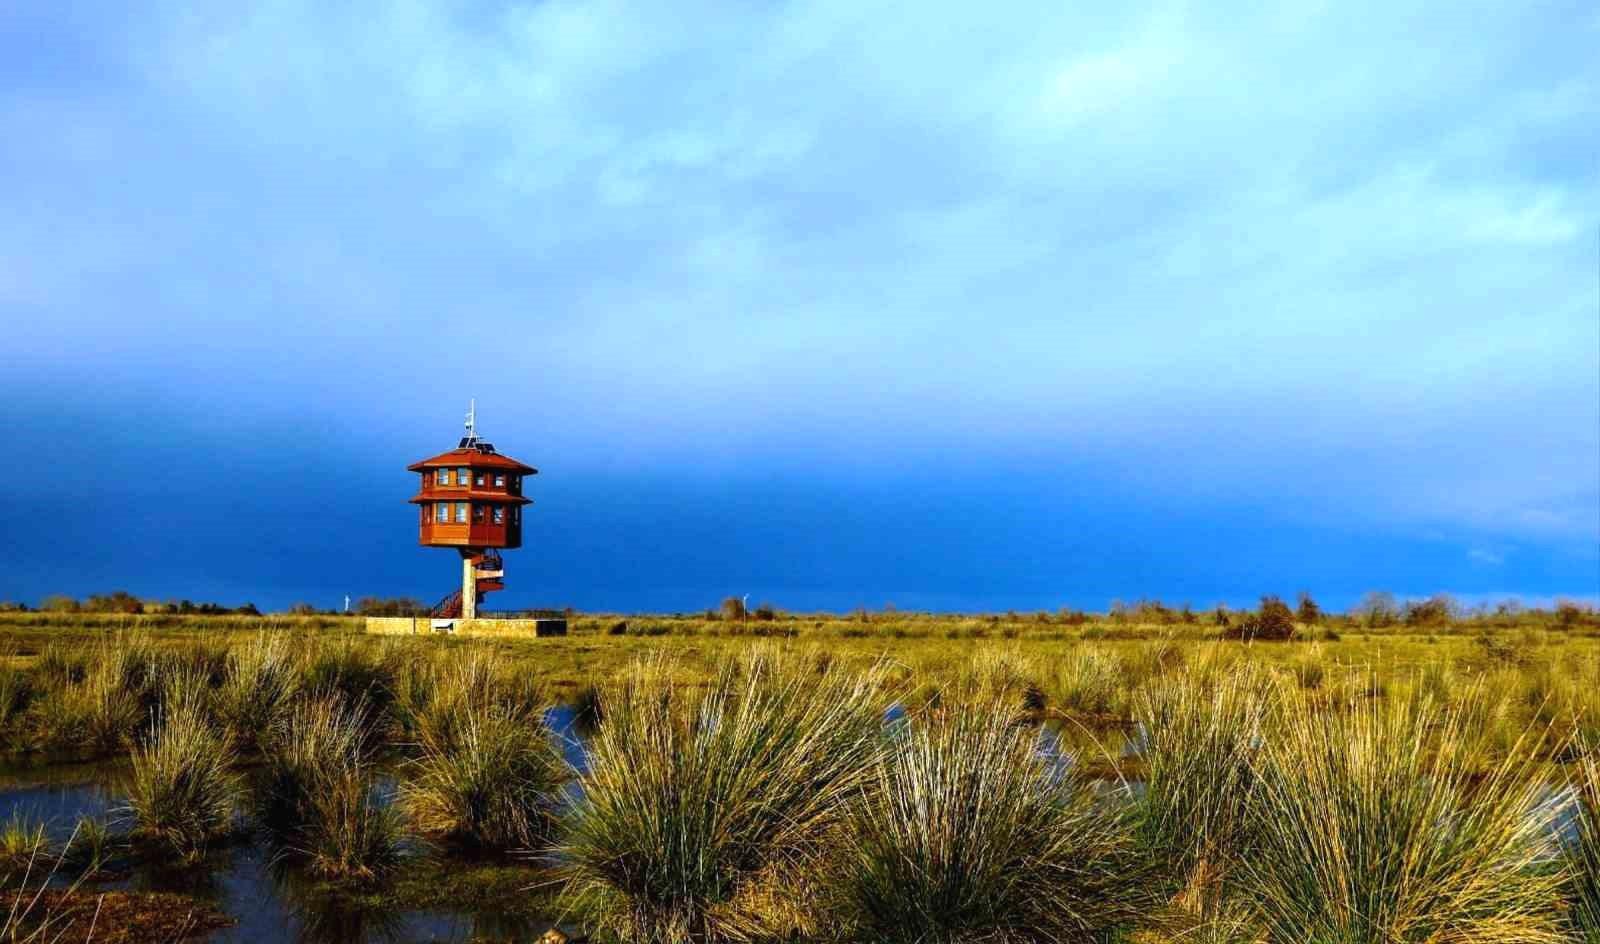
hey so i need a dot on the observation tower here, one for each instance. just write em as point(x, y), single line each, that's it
point(471, 500)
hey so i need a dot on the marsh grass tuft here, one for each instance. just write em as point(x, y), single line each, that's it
point(703, 809)
point(260, 682)
point(1581, 848)
point(183, 790)
point(489, 772)
point(1378, 824)
point(318, 799)
point(1199, 738)
point(23, 846)
point(966, 833)
point(92, 846)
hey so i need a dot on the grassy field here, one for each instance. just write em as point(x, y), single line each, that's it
point(1042, 779)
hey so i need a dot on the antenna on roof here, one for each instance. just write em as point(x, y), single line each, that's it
point(471, 440)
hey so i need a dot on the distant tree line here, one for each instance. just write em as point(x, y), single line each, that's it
point(1273, 618)
point(121, 601)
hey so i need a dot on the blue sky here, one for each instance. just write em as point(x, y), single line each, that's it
point(837, 304)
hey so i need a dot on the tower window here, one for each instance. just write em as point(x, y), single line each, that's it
point(499, 515)
point(479, 479)
point(477, 514)
point(444, 477)
point(441, 512)
point(499, 481)
point(461, 512)
point(516, 516)
point(461, 477)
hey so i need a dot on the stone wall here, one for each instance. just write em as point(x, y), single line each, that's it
point(422, 625)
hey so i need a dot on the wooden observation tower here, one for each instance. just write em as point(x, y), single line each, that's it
point(471, 500)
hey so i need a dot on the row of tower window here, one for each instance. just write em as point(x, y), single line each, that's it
point(458, 512)
point(464, 476)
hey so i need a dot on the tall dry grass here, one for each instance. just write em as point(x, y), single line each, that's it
point(965, 833)
point(705, 812)
point(1380, 824)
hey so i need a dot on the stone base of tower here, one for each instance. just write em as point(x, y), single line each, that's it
point(462, 626)
point(469, 586)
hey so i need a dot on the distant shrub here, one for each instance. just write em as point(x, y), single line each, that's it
point(733, 609)
point(1437, 610)
point(398, 606)
point(619, 628)
point(1308, 612)
point(1273, 621)
point(120, 601)
point(58, 603)
point(1570, 614)
point(1377, 609)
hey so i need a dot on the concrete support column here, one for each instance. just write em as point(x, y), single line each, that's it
point(469, 587)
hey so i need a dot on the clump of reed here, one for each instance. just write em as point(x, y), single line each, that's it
point(488, 772)
point(318, 799)
point(183, 789)
point(357, 672)
point(16, 689)
point(965, 833)
point(703, 810)
point(1379, 824)
point(1089, 683)
point(260, 682)
point(24, 847)
point(1580, 847)
point(92, 845)
point(1199, 739)
point(95, 711)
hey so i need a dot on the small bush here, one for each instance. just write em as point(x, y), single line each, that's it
point(1273, 621)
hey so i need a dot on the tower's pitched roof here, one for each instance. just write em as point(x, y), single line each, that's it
point(478, 456)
